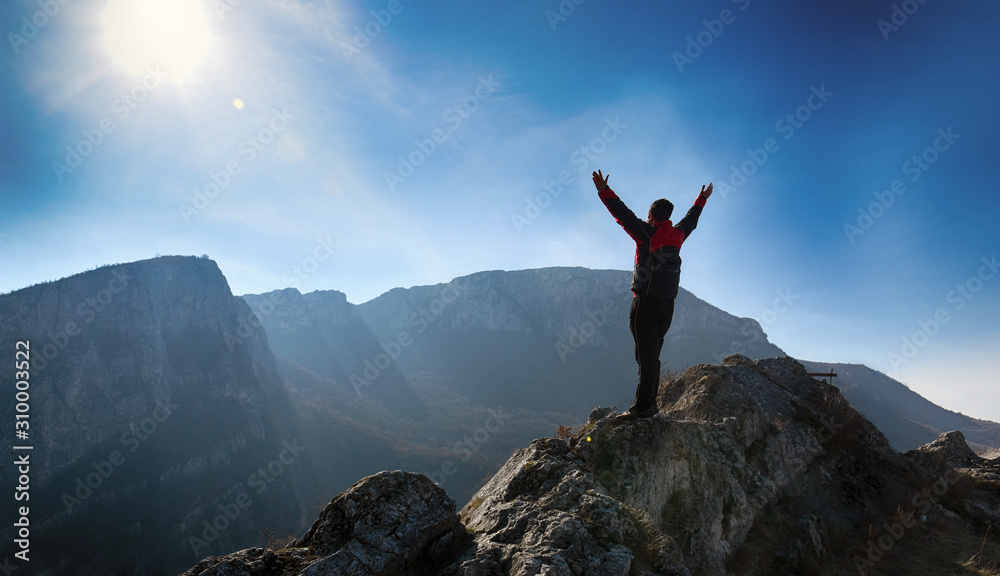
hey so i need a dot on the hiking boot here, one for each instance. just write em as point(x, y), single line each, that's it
point(633, 414)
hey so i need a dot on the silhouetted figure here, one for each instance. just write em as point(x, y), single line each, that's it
point(655, 280)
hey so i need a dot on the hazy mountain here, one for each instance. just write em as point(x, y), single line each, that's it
point(546, 339)
point(905, 417)
point(567, 328)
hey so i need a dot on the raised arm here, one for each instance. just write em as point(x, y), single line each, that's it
point(690, 220)
point(639, 230)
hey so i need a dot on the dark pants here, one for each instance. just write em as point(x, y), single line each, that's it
point(648, 320)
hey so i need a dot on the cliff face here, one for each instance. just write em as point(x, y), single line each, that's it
point(117, 345)
point(749, 468)
point(153, 397)
point(324, 333)
point(561, 304)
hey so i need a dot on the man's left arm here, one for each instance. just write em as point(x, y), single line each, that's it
point(689, 222)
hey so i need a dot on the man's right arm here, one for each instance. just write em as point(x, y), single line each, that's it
point(622, 213)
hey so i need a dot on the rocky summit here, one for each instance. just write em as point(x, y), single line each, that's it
point(750, 467)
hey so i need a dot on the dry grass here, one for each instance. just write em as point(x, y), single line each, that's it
point(933, 548)
point(667, 376)
point(649, 542)
point(274, 541)
point(976, 562)
point(939, 551)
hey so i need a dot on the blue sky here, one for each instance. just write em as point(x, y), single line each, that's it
point(361, 146)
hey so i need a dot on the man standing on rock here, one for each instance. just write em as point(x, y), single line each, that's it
point(654, 283)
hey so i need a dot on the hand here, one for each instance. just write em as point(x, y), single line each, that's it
point(706, 192)
point(601, 181)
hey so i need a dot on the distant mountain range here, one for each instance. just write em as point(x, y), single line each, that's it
point(567, 328)
point(171, 419)
point(906, 418)
point(547, 339)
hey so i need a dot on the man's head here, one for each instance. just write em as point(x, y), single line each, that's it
point(660, 211)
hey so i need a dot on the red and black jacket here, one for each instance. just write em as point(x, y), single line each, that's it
point(657, 271)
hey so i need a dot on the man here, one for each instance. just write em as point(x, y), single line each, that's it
point(654, 283)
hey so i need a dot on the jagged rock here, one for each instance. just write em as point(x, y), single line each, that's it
point(735, 441)
point(750, 468)
point(543, 513)
point(391, 523)
point(952, 457)
point(950, 448)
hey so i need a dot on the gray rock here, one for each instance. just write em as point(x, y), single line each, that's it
point(544, 513)
point(751, 467)
point(950, 449)
point(388, 524)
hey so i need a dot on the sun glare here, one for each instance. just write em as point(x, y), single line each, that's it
point(172, 35)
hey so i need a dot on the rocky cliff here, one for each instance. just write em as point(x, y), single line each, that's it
point(153, 400)
point(750, 467)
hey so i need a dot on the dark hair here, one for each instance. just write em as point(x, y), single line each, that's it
point(661, 210)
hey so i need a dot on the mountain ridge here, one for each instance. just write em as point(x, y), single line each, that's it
point(588, 341)
point(567, 326)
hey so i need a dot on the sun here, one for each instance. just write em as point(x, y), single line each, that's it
point(172, 35)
